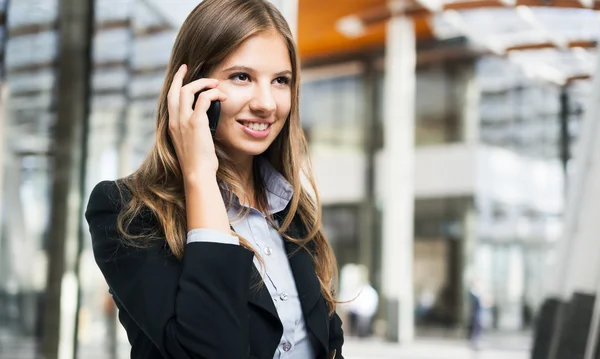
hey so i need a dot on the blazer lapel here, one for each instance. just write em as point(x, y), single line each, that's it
point(259, 294)
point(307, 283)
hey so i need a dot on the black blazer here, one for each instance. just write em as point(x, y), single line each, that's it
point(207, 306)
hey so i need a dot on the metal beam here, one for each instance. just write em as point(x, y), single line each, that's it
point(565, 137)
point(29, 93)
point(158, 69)
point(4, 40)
point(480, 4)
point(105, 65)
point(579, 77)
point(425, 56)
point(153, 30)
point(368, 216)
point(549, 45)
point(31, 29)
point(112, 24)
point(27, 68)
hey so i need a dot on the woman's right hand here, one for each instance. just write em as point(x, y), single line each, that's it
point(189, 128)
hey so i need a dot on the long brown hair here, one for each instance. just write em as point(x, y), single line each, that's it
point(212, 32)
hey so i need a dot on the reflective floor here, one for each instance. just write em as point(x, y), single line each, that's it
point(492, 346)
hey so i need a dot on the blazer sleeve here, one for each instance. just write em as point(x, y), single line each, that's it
point(336, 336)
point(190, 309)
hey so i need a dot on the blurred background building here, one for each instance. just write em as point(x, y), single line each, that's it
point(442, 133)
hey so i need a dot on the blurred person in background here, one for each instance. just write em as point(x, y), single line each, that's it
point(425, 304)
point(476, 314)
point(360, 299)
point(212, 248)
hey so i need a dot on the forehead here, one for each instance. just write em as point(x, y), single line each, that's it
point(263, 52)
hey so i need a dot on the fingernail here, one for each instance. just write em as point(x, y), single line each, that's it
point(181, 67)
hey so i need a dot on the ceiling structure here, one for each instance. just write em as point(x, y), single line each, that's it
point(552, 40)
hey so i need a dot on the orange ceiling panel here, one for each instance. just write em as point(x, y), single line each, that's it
point(318, 37)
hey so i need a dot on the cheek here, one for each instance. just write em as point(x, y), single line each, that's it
point(236, 100)
point(284, 105)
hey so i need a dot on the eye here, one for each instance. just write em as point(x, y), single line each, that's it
point(283, 80)
point(240, 77)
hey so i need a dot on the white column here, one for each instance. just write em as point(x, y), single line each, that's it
point(469, 93)
point(398, 196)
point(289, 9)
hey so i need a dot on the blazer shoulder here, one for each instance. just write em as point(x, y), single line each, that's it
point(108, 195)
point(105, 204)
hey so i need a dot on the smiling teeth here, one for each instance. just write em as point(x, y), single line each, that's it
point(256, 126)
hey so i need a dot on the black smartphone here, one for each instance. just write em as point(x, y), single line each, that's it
point(214, 111)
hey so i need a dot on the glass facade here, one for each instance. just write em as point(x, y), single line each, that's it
point(437, 103)
point(524, 114)
point(333, 109)
point(332, 112)
point(518, 126)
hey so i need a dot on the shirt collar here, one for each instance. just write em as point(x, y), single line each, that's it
point(279, 190)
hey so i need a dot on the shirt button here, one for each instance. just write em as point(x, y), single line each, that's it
point(286, 347)
point(268, 251)
point(283, 297)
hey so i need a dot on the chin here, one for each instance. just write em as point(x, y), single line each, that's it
point(254, 150)
point(246, 148)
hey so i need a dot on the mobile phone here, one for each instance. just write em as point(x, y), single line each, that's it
point(214, 111)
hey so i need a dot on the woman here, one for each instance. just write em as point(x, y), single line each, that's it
point(214, 249)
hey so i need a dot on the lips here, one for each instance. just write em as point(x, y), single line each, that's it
point(256, 126)
point(256, 129)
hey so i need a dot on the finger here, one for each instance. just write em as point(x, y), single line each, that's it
point(206, 97)
point(173, 94)
point(187, 92)
point(199, 118)
point(200, 84)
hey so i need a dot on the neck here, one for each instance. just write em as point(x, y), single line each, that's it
point(245, 167)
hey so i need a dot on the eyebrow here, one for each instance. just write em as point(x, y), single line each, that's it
point(249, 69)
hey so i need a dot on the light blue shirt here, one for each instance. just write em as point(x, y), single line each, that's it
point(276, 273)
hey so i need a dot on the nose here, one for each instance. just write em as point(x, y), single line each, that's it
point(263, 101)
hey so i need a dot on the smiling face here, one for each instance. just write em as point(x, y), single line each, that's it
point(257, 80)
